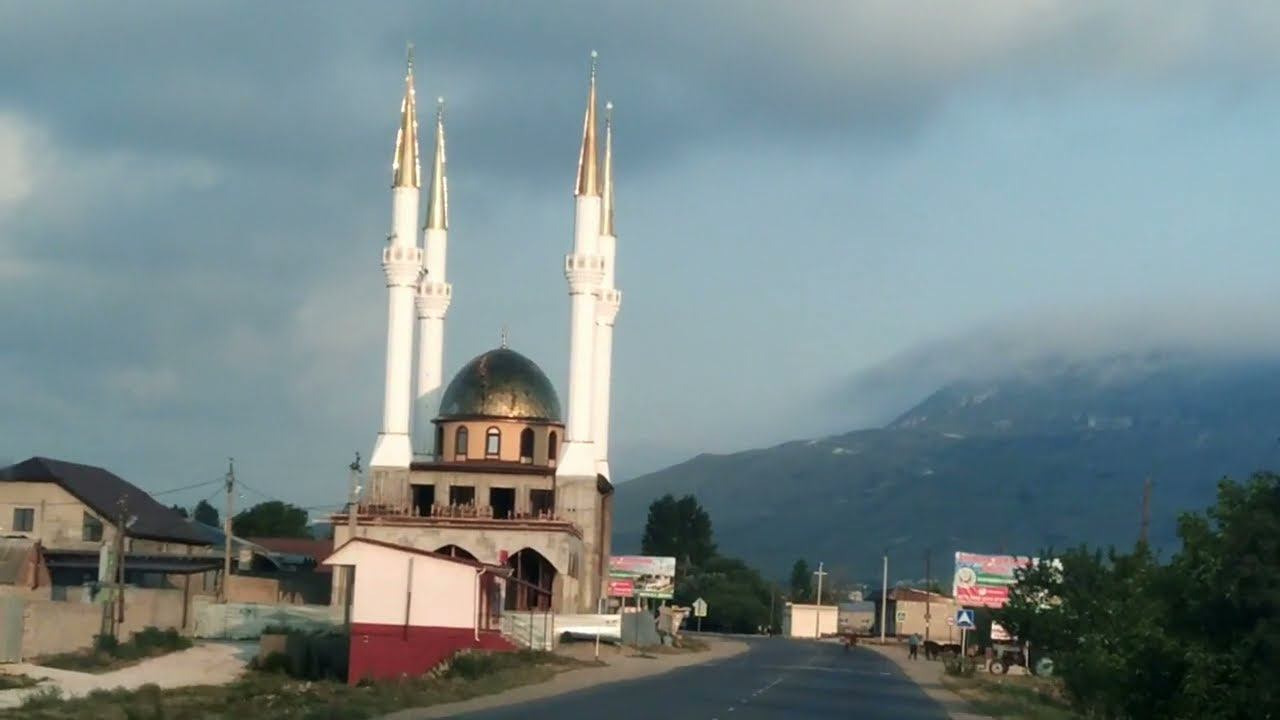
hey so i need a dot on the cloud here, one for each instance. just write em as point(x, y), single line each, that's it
point(1227, 328)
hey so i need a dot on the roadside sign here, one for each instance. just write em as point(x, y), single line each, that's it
point(951, 621)
point(901, 616)
point(700, 608)
point(965, 619)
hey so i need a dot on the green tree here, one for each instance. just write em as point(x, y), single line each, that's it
point(801, 582)
point(271, 519)
point(1197, 637)
point(180, 510)
point(206, 513)
point(679, 529)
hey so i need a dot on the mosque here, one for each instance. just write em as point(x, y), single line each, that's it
point(493, 468)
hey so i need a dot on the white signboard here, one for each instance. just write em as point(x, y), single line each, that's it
point(700, 608)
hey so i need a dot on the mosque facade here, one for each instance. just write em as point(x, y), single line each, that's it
point(492, 466)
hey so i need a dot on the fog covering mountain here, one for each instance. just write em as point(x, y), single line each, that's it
point(1044, 456)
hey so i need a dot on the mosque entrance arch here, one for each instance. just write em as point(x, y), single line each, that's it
point(533, 581)
point(456, 552)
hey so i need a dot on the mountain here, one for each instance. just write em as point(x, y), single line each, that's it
point(1041, 458)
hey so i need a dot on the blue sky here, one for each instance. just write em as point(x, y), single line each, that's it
point(811, 198)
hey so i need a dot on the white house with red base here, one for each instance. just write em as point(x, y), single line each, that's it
point(412, 609)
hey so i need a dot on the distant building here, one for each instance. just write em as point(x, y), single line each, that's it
point(810, 621)
point(74, 511)
point(916, 611)
point(412, 609)
point(856, 618)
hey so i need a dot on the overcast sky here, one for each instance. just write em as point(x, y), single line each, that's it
point(193, 197)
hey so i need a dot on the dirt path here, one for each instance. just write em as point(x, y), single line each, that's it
point(621, 665)
point(928, 675)
point(204, 664)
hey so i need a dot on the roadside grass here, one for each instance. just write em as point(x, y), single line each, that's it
point(13, 682)
point(274, 695)
point(687, 645)
point(1011, 697)
point(108, 654)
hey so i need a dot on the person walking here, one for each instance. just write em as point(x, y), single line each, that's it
point(913, 645)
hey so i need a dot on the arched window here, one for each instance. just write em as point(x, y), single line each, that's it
point(438, 451)
point(460, 443)
point(526, 445)
point(492, 442)
point(553, 447)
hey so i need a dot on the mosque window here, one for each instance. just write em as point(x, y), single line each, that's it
point(526, 445)
point(553, 447)
point(460, 443)
point(492, 442)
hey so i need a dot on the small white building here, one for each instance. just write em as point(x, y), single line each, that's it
point(411, 609)
point(810, 621)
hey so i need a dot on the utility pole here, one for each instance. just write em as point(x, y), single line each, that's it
point(226, 529)
point(773, 593)
point(884, 596)
point(1145, 528)
point(928, 592)
point(353, 509)
point(817, 621)
point(113, 608)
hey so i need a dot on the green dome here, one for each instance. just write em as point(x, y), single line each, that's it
point(501, 383)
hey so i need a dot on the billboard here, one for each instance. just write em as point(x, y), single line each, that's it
point(642, 576)
point(984, 580)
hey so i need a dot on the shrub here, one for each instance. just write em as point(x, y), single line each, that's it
point(959, 666)
point(43, 698)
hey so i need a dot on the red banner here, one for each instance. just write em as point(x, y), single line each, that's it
point(622, 588)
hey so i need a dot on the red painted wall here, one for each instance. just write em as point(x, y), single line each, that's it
point(386, 652)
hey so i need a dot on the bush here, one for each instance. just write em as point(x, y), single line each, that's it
point(44, 698)
point(321, 655)
point(959, 666)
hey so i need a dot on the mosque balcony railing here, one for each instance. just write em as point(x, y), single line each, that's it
point(463, 514)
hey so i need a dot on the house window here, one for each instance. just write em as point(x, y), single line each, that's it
point(526, 445)
point(91, 531)
point(492, 442)
point(24, 519)
point(438, 451)
point(553, 447)
point(460, 443)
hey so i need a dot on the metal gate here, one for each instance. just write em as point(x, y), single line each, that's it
point(11, 629)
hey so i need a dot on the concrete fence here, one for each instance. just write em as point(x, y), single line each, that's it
point(49, 627)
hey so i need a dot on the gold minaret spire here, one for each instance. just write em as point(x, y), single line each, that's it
point(606, 182)
point(588, 182)
point(438, 203)
point(405, 171)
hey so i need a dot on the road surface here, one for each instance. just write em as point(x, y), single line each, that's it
point(776, 678)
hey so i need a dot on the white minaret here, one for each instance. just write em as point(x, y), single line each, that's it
point(402, 264)
point(583, 268)
point(608, 300)
point(434, 294)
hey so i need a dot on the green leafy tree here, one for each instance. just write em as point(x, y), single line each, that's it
point(1197, 637)
point(206, 513)
point(271, 519)
point(679, 529)
point(801, 582)
point(180, 510)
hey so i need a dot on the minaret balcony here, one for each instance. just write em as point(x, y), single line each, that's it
point(583, 271)
point(401, 264)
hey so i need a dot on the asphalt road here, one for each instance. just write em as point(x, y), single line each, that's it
point(776, 678)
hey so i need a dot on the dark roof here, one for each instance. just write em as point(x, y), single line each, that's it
point(501, 383)
point(102, 491)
